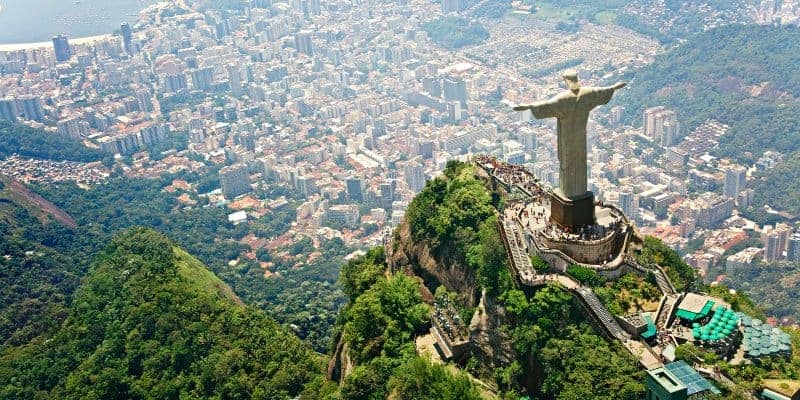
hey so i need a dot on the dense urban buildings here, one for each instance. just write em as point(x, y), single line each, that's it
point(350, 105)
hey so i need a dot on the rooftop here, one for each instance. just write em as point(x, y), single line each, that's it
point(676, 376)
point(693, 302)
point(667, 381)
point(690, 378)
point(783, 387)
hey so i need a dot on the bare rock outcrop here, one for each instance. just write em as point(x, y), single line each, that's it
point(434, 268)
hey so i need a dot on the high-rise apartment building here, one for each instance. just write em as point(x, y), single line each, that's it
point(414, 176)
point(32, 108)
point(629, 202)
point(355, 189)
point(235, 79)
point(175, 83)
point(455, 89)
point(302, 42)
point(8, 109)
point(61, 48)
point(449, 6)
point(127, 37)
point(661, 125)
point(346, 215)
point(144, 100)
point(793, 249)
point(203, 79)
point(735, 180)
point(234, 180)
point(776, 240)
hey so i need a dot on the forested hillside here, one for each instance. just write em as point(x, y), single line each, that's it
point(151, 322)
point(36, 143)
point(743, 76)
point(379, 325)
point(455, 216)
point(39, 267)
point(306, 297)
point(780, 187)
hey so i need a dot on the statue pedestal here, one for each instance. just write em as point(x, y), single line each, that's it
point(572, 212)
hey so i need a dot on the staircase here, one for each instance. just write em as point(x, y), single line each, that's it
point(665, 311)
point(520, 261)
point(600, 312)
point(663, 282)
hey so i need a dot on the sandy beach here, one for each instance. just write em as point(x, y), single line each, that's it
point(78, 41)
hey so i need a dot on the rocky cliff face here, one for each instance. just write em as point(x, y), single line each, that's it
point(434, 269)
point(340, 365)
point(491, 347)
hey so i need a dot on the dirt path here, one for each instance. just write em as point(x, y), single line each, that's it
point(45, 206)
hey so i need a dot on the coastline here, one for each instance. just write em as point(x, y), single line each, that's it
point(36, 45)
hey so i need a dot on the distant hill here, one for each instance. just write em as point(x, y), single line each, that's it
point(12, 191)
point(41, 263)
point(743, 76)
point(151, 322)
point(455, 32)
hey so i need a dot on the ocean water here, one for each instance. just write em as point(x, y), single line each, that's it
point(23, 21)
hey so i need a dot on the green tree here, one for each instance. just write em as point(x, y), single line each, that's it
point(585, 275)
point(539, 264)
point(688, 352)
point(383, 319)
point(361, 273)
point(581, 366)
point(418, 379)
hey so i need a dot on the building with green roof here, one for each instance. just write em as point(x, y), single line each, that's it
point(677, 381)
point(651, 330)
point(694, 307)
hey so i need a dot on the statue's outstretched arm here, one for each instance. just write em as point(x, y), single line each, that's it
point(601, 95)
point(540, 109)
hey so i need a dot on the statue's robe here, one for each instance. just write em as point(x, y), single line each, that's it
point(572, 110)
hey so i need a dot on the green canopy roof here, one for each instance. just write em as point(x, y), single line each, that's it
point(690, 316)
point(717, 329)
point(651, 330)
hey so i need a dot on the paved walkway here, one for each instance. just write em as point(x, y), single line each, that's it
point(641, 351)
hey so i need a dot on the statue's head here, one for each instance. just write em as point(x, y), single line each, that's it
point(571, 77)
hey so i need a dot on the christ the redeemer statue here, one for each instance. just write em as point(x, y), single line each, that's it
point(574, 205)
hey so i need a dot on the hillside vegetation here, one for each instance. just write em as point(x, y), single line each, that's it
point(455, 32)
point(380, 323)
point(780, 187)
point(743, 76)
point(151, 322)
point(39, 269)
point(455, 216)
point(36, 143)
